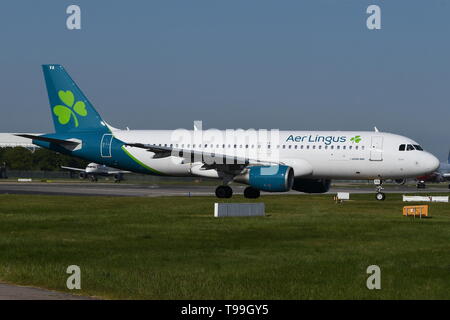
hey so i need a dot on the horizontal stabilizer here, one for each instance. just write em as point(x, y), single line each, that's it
point(68, 144)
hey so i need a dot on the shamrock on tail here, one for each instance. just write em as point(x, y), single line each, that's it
point(356, 139)
point(65, 112)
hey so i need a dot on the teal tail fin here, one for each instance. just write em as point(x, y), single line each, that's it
point(71, 110)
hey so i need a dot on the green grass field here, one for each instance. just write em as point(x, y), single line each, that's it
point(307, 247)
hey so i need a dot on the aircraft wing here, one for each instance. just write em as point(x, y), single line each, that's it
point(117, 171)
point(210, 159)
point(73, 169)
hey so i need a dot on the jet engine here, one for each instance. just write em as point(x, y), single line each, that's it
point(268, 178)
point(83, 175)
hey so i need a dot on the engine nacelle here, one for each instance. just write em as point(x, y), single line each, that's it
point(83, 175)
point(311, 185)
point(269, 178)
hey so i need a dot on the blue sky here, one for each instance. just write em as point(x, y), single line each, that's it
point(289, 64)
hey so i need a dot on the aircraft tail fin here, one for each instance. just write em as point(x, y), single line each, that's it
point(71, 110)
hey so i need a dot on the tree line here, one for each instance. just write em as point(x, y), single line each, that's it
point(20, 158)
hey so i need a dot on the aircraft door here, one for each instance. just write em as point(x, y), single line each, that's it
point(105, 145)
point(376, 148)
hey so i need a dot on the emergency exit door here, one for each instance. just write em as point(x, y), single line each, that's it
point(376, 148)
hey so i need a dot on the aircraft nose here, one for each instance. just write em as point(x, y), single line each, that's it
point(431, 163)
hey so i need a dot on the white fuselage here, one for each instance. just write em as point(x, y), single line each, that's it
point(312, 154)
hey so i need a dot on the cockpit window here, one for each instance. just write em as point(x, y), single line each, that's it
point(409, 147)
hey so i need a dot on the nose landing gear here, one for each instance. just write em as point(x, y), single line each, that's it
point(380, 196)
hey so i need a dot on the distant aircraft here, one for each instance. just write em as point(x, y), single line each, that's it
point(442, 174)
point(304, 161)
point(93, 170)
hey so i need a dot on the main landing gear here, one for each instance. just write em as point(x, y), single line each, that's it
point(251, 193)
point(421, 185)
point(224, 192)
point(380, 196)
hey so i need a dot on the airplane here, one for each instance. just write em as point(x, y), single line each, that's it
point(93, 170)
point(274, 161)
point(442, 174)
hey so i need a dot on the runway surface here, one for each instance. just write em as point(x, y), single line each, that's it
point(14, 292)
point(147, 190)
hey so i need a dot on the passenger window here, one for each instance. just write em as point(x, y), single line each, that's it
point(356, 147)
point(307, 147)
point(350, 147)
point(290, 146)
point(331, 147)
point(401, 147)
point(338, 147)
point(343, 147)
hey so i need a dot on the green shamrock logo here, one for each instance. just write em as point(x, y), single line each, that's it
point(69, 110)
point(356, 139)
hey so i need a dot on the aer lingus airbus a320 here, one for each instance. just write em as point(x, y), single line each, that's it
point(273, 161)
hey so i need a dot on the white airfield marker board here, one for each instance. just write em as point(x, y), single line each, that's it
point(239, 210)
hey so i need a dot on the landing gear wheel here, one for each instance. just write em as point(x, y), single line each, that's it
point(421, 185)
point(380, 196)
point(251, 193)
point(93, 178)
point(224, 192)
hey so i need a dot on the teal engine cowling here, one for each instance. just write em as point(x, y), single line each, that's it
point(271, 178)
